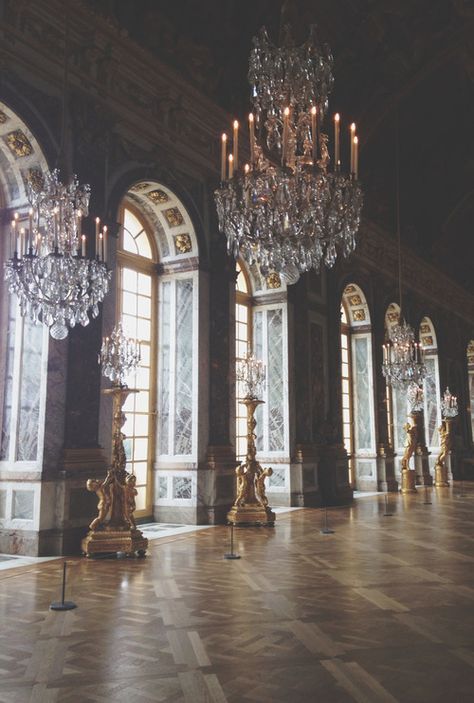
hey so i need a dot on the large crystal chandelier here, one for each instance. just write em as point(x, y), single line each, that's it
point(54, 280)
point(403, 357)
point(286, 210)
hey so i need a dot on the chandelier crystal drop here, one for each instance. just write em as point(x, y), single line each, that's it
point(48, 270)
point(449, 404)
point(252, 373)
point(119, 355)
point(403, 358)
point(286, 210)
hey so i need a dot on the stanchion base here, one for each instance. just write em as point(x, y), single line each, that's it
point(388, 515)
point(231, 556)
point(67, 605)
point(327, 531)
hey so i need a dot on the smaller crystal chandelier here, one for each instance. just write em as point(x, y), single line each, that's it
point(415, 398)
point(119, 356)
point(251, 372)
point(55, 282)
point(449, 404)
point(285, 210)
point(403, 358)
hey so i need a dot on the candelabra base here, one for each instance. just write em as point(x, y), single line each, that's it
point(251, 515)
point(441, 476)
point(408, 481)
point(110, 540)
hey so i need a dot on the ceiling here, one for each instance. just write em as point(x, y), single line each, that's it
point(404, 72)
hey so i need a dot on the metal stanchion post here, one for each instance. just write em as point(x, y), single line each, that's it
point(386, 513)
point(231, 555)
point(63, 604)
point(326, 530)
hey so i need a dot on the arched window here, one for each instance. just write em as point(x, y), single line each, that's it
point(397, 407)
point(243, 341)
point(261, 321)
point(431, 387)
point(23, 346)
point(470, 371)
point(137, 303)
point(358, 387)
point(162, 311)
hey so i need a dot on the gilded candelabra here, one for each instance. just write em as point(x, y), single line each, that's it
point(114, 528)
point(251, 503)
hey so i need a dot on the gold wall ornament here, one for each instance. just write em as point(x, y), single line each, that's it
point(3, 117)
point(158, 196)
point(173, 217)
point(355, 300)
point(251, 504)
point(33, 177)
point(138, 187)
point(409, 475)
point(358, 315)
point(114, 529)
point(19, 144)
point(273, 280)
point(182, 243)
point(446, 442)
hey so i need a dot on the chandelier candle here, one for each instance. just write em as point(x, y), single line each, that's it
point(291, 209)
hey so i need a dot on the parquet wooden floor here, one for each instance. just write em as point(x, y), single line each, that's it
point(381, 611)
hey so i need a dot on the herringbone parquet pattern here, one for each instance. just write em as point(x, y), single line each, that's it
point(381, 611)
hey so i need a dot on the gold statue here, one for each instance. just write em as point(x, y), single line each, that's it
point(260, 485)
point(410, 444)
point(129, 499)
point(446, 442)
point(102, 488)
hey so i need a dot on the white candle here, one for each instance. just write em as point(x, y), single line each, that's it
point(30, 228)
point(13, 238)
point(97, 223)
point(231, 166)
point(83, 240)
point(337, 156)
point(314, 132)
point(246, 168)
point(22, 240)
point(101, 246)
point(55, 228)
point(105, 242)
point(353, 129)
point(252, 137)
point(356, 156)
point(223, 155)
point(235, 145)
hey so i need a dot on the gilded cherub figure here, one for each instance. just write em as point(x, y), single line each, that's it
point(260, 486)
point(101, 488)
point(129, 499)
point(241, 486)
point(444, 442)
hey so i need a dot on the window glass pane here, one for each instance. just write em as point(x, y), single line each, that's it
point(140, 450)
point(30, 389)
point(141, 425)
point(7, 397)
point(129, 243)
point(143, 329)
point(184, 367)
point(129, 303)
point(144, 306)
point(140, 470)
point(131, 223)
point(144, 284)
point(129, 280)
point(144, 248)
point(141, 498)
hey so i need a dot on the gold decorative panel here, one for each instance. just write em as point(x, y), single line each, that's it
point(3, 117)
point(173, 217)
point(349, 289)
point(183, 243)
point(273, 280)
point(18, 143)
point(355, 300)
point(392, 317)
point(427, 341)
point(358, 315)
point(425, 329)
point(138, 187)
point(158, 196)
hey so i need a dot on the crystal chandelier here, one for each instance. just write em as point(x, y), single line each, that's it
point(251, 372)
point(286, 210)
point(415, 397)
point(449, 404)
point(119, 356)
point(403, 358)
point(55, 282)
